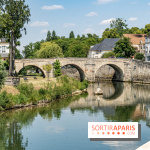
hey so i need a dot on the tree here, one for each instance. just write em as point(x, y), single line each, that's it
point(78, 49)
point(14, 14)
point(47, 68)
point(124, 48)
point(49, 50)
point(71, 35)
point(147, 29)
point(135, 30)
point(54, 36)
point(139, 56)
point(57, 67)
point(2, 73)
point(48, 36)
point(18, 55)
point(120, 25)
point(108, 54)
point(110, 33)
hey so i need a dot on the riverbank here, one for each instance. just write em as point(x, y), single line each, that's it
point(28, 94)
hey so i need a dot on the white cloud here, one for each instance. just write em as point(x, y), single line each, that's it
point(91, 14)
point(39, 24)
point(44, 31)
point(53, 7)
point(88, 30)
point(105, 1)
point(106, 21)
point(68, 25)
point(133, 19)
point(148, 3)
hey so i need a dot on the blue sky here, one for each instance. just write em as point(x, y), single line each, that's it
point(81, 16)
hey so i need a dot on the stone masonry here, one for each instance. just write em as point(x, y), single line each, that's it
point(125, 69)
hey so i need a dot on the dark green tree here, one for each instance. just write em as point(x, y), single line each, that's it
point(124, 48)
point(139, 56)
point(48, 38)
point(57, 68)
point(14, 14)
point(18, 55)
point(54, 36)
point(2, 73)
point(71, 35)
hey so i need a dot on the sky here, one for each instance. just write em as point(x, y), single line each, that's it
point(81, 16)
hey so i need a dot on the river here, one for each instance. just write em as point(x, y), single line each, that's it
point(63, 124)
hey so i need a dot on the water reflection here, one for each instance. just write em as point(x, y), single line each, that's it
point(120, 102)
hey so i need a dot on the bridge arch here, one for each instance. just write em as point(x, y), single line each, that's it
point(80, 70)
point(118, 74)
point(43, 72)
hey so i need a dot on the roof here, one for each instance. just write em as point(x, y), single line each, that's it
point(106, 44)
point(136, 38)
point(4, 55)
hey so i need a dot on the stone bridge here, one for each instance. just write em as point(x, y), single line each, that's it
point(125, 69)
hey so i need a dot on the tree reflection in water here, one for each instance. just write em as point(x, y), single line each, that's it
point(12, 122)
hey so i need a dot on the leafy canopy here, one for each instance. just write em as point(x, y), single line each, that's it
point(124, 48)
point(49, 50)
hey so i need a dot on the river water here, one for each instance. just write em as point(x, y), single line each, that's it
point(63, 124)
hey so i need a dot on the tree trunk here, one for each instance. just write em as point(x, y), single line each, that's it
point(11, 56)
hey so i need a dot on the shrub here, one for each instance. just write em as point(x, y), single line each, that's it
point(108, 54)
point(26, 89)
point(139, 56)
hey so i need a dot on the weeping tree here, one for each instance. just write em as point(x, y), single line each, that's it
point(13, 15)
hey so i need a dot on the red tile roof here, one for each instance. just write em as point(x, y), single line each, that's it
point(136, 38)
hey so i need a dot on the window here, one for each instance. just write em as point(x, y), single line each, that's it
point(3, 49)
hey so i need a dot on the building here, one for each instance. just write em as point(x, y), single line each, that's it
point(147, 48)
point(4, 49)
point(106, 45)
point(138, 41)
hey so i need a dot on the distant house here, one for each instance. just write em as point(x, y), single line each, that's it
point(138, 41)
point(106, 45)
point(4, 49)
point(147, 48)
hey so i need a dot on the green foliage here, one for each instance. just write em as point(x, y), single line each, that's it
point(48, 36)
point(2, 73)
point(71, 35)
point(49, 50)
point(30, 50)
point(120, 25)
point(139, 56)
point(14, 15)
point(135, 30)
point(57, 67)
point(26, 89)
point(47, 67)
point(124, 48)
point(108, 54)
point(110, 33)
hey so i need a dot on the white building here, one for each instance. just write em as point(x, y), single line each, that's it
point(106, 45)
point(4, 49)
point(147, 48)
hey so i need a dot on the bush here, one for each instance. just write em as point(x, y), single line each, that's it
point(139, 56)
point(108, 54)
point(26, 89)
